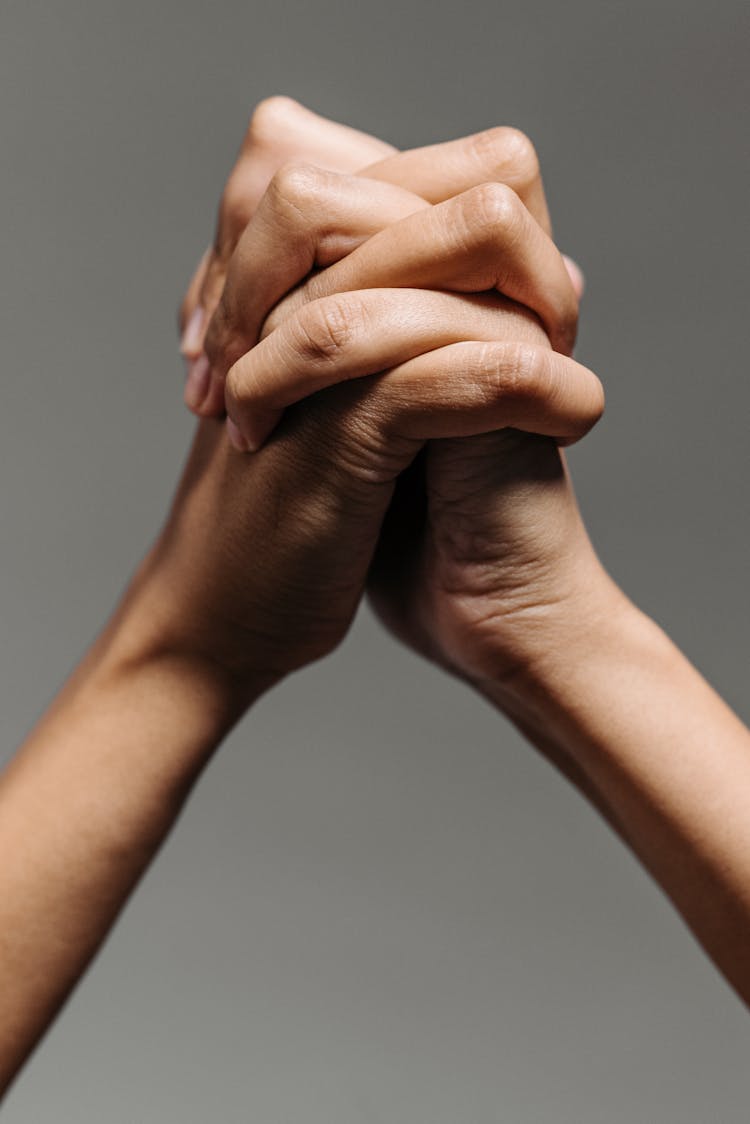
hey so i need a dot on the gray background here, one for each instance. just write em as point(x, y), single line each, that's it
point(379, 905)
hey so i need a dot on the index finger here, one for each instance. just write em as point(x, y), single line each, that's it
point(280, 129)
point(440, 171)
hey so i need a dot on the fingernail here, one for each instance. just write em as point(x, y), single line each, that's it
point(192, 337)
point(235, 436)
point(198, 380)
point(575, 273)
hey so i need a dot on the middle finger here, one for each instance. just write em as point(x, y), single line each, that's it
point(481, 240)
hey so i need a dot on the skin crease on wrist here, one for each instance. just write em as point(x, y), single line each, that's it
point(306, 200)
point(421, 480)
point(210, 620)
point(484, 566)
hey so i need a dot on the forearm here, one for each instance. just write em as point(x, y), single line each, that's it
point(85, 804)
point(641, 732)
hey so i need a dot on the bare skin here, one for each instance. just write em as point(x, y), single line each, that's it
point(485, 567)
point(490, 574)
point(230, 599)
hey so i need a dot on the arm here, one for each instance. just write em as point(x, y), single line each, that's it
point(485, 567)
point(85, 805)
point(210, 621)
point(87, 801)
point(668, 761)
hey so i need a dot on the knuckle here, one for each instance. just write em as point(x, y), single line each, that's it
point(489, 147)
point(267, 117)
point(323, 329)
point(489, 208)
point(297, 185)
point(511, 372)
point(519, 155)
point(507, 154)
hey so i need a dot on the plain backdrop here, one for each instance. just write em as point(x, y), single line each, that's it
point(380, 904)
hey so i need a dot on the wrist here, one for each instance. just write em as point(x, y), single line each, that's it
point(586, 669)
point(563, 640)
point(152, 644)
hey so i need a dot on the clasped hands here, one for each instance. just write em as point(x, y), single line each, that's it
point(392, 347)
point(381, 361)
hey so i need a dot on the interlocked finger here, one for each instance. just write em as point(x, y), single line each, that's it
point(440, 171)
point(307, 219)
point(354, 334)
point(483, 239)
point(441, 354)
point(280, 130)
point(466, 389)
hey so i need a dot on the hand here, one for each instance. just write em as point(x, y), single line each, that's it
point(481, 240)
point(336, 460)
point(280, 130)
point(257, 571)
point(484, 563)
point(485, 566)
point(264, 559)
point(462, 244)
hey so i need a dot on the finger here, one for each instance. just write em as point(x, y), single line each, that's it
point(333, 340)
point(466, 389)
point(440, 171)
point(575, 273)
point(192, 323)
point(279, 130)
point(190, 304)
point(483, 239)
point(469, 388)
point(307, 218)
